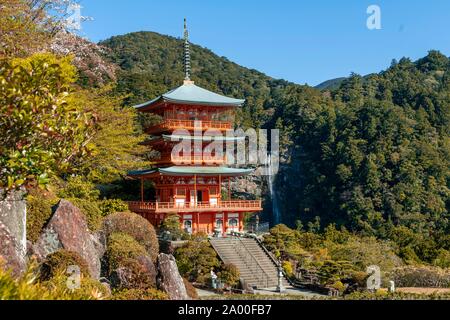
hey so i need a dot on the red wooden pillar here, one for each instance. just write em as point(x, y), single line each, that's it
point(223, 223)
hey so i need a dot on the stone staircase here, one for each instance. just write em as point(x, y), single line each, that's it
point(256, 268)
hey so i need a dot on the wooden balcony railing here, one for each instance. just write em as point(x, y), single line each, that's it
point(191, 159)
point(169, 207)
point(175, 124)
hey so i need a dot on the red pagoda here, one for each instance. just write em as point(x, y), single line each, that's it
point(190, 183)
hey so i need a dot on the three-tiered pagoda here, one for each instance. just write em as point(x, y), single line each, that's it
point(190, 184)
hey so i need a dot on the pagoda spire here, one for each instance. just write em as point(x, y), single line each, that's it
point(187, 54)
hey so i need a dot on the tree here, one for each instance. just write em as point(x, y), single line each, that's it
point(42, 129)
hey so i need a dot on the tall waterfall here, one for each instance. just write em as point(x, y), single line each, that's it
point(271, 176)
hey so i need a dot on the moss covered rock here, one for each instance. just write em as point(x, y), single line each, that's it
point(135, 226)
point(59, 262)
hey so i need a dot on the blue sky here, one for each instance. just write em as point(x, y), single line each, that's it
point(307, 41)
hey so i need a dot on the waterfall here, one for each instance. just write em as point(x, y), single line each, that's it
point(271, 176)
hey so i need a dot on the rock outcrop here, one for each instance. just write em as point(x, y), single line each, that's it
point(169, 279)
point(13, 243)
point(67, 229)
point(137, 273)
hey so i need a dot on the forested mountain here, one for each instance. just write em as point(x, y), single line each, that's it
point(332, 84)
point(152, 64)
point(372, 155)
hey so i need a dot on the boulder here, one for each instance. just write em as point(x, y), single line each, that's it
point(169, 279)
point(10, 258)
point(67, 229)
point(13, 243)
point(137, 273)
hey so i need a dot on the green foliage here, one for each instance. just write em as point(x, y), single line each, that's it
point(111, 206)
point(196, 259)
point(443, 259)
point(41, 129)
point(59, 262)
point(422, 277)
point(172, 224)
point(376, 149)
point(115, 147)
point(29, 288)
point(123, 252)
point(79, 187)
point(139, 294)
point(229, 274)
point(91, 211)
point(287, 267)
point(22, 28)
point(135, 226)
point(39, 211)
point(121, 248)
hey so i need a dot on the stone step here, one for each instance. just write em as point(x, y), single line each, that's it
point(226, 248)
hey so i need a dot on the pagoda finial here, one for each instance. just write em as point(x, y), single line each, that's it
point(187, 54)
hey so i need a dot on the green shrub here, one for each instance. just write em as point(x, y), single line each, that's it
point(229, 274)
point(339, 286)
point(287, 267)
point(137, 294)
point(196, 259)
point(443, 259)
point(172, 224)
point(136, 276)
point(91, 211)
point(59, 262)
point(29, 288)
point(121, 248)
point(39, 211)
point(422, 276)
point(78, 187)
point(191, 291)
point(135, 226)
point(111, 206)
point(363, 252)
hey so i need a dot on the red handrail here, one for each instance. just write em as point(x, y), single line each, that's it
point(222, 205)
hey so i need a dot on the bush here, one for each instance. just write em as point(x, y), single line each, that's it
point(29, 288)
point(79, 187)
point(133, 275)
point(59, 262)
point(122, 248)
point(229, 274)
point(191, 291)
point(364, 252)
point(111, 206)
point(443, 259)
point(91, 211)
point(172, 224)
point(426, 277)
point(287, 267)
point(196, 259)
point(135, 226)
point(137, 294)
point(39, 212)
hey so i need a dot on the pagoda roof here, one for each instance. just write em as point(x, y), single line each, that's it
point(191, 171)
point(191, 94)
